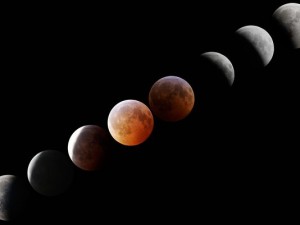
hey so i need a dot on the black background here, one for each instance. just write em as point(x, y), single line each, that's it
point(66, 66)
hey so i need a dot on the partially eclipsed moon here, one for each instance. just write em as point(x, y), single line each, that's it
point(171, 98)
point(287, 17)
point(130, 122)
point(88, 147)
point(260, 40)
point(221, 62)
point(50, 172)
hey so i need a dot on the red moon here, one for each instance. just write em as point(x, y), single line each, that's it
point(88, 147)
point(130, 122)
point(171, 98)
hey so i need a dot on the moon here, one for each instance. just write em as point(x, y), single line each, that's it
point(171, 98)
point(50, 172)
point(88, 147)
point(260, 40)
point(287, 17)
point(222, 63)
point(14, 194)
point(130, 122)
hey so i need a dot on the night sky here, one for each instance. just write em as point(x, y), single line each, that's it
point(64, 67)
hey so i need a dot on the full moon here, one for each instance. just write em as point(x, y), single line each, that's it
point(50, 172)
point(13, 197)
point(88, 147)
point(260, 40)
point(287, 17)
point(222, 63)
point(130, 122)
point(171, 98)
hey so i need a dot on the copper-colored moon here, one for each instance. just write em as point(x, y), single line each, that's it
point(88, 147)
point(130, 122)
point(171, 98)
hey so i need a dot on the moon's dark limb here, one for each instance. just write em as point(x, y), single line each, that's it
point(287, 20)
point(88, 147)
point(14, 194)
point(50, 172)
point(171, 98)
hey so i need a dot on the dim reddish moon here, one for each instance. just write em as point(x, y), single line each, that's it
point(171, 98)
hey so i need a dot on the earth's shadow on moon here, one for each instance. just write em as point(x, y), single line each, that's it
point(244, 54)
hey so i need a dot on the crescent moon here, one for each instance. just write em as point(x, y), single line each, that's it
point(221, 62)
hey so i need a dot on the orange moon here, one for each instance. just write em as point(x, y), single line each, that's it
point(88, 147)
point(171, 98)
point(130, 122)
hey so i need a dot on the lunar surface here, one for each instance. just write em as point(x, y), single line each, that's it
point(171, 98)
point(88, 147)
point(287, 17)
point(50, 172)
point(260, 40)
point(130, 122)
point(222, 63)
point(13, 196)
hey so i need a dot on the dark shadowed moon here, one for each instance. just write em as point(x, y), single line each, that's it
point(130, 122)
point(222, 63)
point(171, 98)
point(50, 172)
point(88, 147)
point(287, 18)
point(14, 194)
point(260, 43)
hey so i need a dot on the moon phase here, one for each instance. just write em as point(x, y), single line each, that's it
point(287, 17)
point(50, 172)
point(171, 98)
point(222, 63)
point(130, 122)
point(88, 147)
point(13, 196)
point(258, 40)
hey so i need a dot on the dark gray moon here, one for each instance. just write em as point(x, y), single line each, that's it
point(260, 40)
point(13, 196)
point(222, 63)
point(50, 172)
point(287, 17)
point(88, 147)
point(171, 98)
